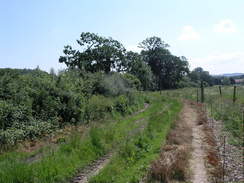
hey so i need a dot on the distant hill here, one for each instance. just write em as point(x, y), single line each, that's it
point(233, 74)
point(10, 71)
point(229, 75)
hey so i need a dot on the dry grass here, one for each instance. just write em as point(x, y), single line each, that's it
point(212, 155)
point(181, 133)
point(171, 164)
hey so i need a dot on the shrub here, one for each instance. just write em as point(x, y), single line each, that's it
point(98, 107)
point(9, 114)
point(121, 104)
point(95, 135)
point(113, 85)
point(132, 81)
point(24, 131)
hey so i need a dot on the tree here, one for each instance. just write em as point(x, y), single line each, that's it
point(52, 72)
point(198, 75)
point(96, 54)
point(232, 81)
point(167, 68)
point(137, 67)
point(153, 49)
point(172, 70)
point(226, 81)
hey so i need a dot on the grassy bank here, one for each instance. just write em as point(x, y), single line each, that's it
point(135, 154)
point(60, 163)
point(220, 107)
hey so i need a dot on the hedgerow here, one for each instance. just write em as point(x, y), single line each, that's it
point(34, 103)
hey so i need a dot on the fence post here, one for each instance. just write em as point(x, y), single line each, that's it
point(211, 114)
point(234, 95)
point(202, 92)
point(243, 131)
point(197, 96)
point(211, 111)
point(220, 91)
point(224, 160)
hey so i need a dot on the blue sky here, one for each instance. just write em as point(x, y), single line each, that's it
point(208, 32)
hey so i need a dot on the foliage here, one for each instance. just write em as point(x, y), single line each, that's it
point(18, 132)
point(137, 67)
point(97, 54)
point(60, 164)
point(121, 104)
point(137, 152)
point(155, 66)
point(115, 84)
point(28, 99)
point(167, 68)
point(10, 114)
point(132, 81)
point(220, 107)
point(198, 75)
point(98, 107)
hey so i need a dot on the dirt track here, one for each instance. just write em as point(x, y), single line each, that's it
point(186, 150)
point(197, 160)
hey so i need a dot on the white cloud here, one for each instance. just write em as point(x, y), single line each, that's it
point(133, 48)
point(219, 63)
point(189, 33)
point(225, 25)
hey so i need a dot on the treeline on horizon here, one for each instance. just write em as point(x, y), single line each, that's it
point(102, 80)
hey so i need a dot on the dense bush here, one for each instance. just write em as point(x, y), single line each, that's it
point(114, 84)
point(32, 102)
point(19, 132)
point(10, 114)
point(132, 81)
point(121, 104)
point(98, 107)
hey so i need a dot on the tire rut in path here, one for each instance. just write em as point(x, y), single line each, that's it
point(92, 170)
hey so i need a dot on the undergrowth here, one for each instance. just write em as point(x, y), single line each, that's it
point(220, 107)
point(135, 154)
point(61, 163)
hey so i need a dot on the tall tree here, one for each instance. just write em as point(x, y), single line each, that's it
point(198, 75)
point(96, 53)
point(137, 67)
point(167, 68)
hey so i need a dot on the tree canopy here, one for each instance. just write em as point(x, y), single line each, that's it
point(96, 53)
point(167, 68)
point(156, 67)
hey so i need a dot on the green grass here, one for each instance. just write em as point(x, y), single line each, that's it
point(61, 163)
point(220, 108)
point(135, 154)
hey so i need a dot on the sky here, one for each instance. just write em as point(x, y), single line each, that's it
point(209, 33)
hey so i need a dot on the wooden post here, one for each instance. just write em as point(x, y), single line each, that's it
point(224, 160)
point(160, 87)
point(202, 92)
point(197, 96)
point(234, 95)
point(243, 131)
point(220, 91)
point(211, 110)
